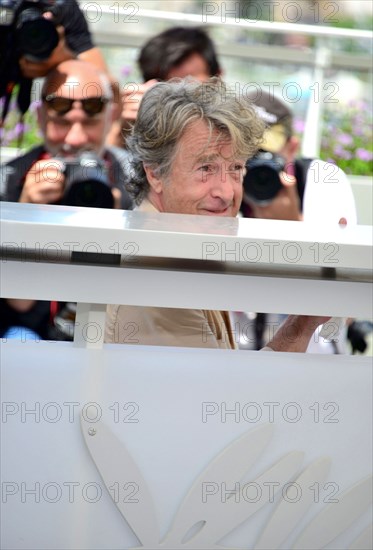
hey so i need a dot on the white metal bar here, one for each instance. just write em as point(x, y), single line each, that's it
point(219, 263)
point(169, 288)
point(256, 54)
point(311, 141)
point(53, 232)
point(90, 318)
point(252, 24)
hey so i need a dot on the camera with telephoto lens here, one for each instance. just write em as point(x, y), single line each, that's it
point(31, 34)
point(24, 32)
point(262, 180)
point(86, 182)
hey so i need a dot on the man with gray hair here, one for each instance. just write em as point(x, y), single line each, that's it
point(190, 143)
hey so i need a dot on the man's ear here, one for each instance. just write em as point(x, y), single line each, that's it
point(114, 113)
point(116, 102)
point(153, 178)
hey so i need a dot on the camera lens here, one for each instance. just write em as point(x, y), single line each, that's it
point(90, 193)
point(87, 183)
point(262, 184)
point(36, 37)
point(262, 180)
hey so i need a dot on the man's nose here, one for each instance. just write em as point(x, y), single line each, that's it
point(76, 136)
point(223, 186)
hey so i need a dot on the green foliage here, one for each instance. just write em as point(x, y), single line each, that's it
point(347, 138)
point(17, 133)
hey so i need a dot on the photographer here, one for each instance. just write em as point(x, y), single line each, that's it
point(175, 52)
point(35, 36)
point(41, 34)
point(280, 186)
point(74, 117)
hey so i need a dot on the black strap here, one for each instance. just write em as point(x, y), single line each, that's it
point(301, 169)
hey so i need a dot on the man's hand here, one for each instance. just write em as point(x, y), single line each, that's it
point(285, 205)
point(131, 99)
point(19, 305)
point(296, 332)
point(44, 182)
point(117, 197)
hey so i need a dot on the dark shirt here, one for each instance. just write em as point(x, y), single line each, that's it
point(77, 34)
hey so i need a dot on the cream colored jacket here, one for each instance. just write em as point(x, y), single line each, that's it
point(168, 326)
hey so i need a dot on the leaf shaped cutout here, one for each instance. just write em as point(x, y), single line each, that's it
point(193, 531)
point(363, 541)
point(222, 517)
point(337, 517)
point(117, 468)
point(229, 466)
point(289, 512)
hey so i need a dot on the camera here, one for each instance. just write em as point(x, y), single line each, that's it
point(262, 180)
point(24, 32)
point(29, 32)
point(86, 182)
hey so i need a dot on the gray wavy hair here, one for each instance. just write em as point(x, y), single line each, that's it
point(166, 111)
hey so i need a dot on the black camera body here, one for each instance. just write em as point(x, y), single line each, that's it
point(262, 179)
point(24, 32)
point(86, 182)
point(28, 31)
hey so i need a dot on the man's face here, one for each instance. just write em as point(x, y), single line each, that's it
point(75, 131)
point(194, 66)
point(204, 179)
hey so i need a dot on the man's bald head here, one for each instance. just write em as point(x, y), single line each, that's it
point(76, 110)
point(77, 79)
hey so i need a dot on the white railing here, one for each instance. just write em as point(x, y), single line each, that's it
point(140, 430)
point(203, 255)
point(98, 257)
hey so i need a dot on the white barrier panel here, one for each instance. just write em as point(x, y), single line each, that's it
point(182, 448)
point(136, 258)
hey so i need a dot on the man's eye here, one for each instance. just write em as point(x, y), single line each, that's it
point(206, 168)
point(237, 167)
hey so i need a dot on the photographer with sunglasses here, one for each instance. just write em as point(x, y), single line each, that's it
point(74, 116)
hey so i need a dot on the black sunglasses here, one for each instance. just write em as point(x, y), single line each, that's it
point(62, 105)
